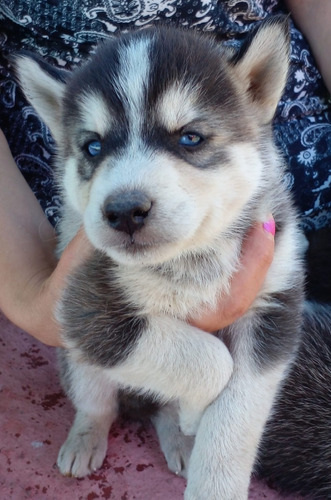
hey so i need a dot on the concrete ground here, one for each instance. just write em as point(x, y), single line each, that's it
point(34, 420)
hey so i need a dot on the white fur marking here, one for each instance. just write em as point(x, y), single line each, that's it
point(76, 192)
point(178, 106)
point(132, 81)
point(94, 113)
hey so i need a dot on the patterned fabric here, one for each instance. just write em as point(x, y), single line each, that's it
point(65, 31)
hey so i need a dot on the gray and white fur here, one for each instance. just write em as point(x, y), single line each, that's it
point(166, 157)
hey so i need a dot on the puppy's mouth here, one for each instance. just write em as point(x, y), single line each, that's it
point(132, 239)
point(140, 247)
point(135, 243)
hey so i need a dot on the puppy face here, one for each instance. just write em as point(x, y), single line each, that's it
point(155, 164)
point(158, 134)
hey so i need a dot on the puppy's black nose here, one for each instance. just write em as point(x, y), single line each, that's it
point(127, 212)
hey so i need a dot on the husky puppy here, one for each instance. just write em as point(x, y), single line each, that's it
point(166, 157)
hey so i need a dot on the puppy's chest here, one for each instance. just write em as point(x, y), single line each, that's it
point(156, 293)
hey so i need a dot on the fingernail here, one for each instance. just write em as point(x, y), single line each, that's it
point(270, 226)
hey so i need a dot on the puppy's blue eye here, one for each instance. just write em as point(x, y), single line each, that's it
point(190, 139)
point(93, 148)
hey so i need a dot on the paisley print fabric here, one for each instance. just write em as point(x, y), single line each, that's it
point(65, 32)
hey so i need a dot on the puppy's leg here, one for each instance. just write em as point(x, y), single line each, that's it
point(95, 399)
point(175, 445)
point(231, 428)
point(226, 443)
point(178, 361)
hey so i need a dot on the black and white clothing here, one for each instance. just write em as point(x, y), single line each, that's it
point(65, 32)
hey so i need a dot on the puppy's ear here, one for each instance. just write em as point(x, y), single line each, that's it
point(262, 65)
point(43, 86)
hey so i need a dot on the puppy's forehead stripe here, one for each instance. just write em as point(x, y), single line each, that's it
point(133, 78)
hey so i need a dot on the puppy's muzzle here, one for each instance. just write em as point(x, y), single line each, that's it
point(127, 212)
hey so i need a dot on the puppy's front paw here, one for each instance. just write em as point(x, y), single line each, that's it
point(85, 448)
point(177, 451)
point(82, 454)
point(176, 447)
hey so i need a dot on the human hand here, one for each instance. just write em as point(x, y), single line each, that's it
point(257, 255)
point(41, 294)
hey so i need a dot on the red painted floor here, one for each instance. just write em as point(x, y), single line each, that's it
point(34, 420)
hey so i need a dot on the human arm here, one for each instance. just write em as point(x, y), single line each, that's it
point(30, 278)
point(313, 17)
